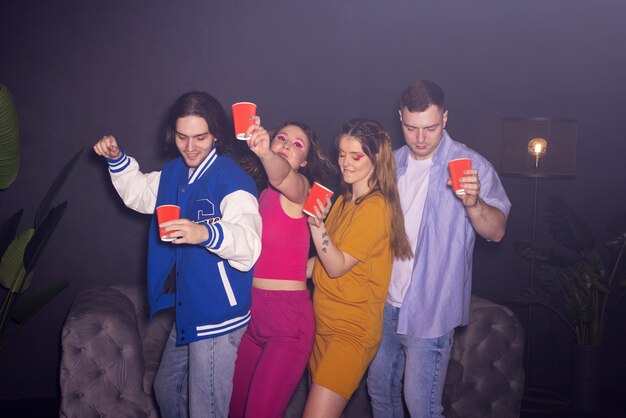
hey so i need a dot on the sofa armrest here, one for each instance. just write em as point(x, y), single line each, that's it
point(485, 376)
point(153, 333)
point(102, 364)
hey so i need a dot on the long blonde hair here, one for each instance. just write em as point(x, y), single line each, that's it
point(376, 144)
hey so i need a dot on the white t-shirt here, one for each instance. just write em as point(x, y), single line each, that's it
point(412, 188)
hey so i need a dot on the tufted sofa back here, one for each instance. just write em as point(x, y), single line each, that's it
point(485, 375)
point(111, 354)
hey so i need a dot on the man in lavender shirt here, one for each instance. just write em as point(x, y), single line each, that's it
point(429, 295)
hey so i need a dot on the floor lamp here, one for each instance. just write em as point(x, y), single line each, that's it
point(537, 148)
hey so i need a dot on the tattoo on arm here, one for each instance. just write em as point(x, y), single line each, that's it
point(325, 241)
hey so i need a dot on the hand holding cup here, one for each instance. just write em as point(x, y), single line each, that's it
point(457, 169)
point(464, 181)
point(242, 117)
point(259, 141)
point(184, 231)
point(317, 204)
point(165, 215)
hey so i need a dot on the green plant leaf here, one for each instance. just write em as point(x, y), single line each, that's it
point(583, 284)
point(28, 279)
point(56, 185)
point(590, 270)
point(595, 262)
point(574, 309)
point(530, 296)
point(615, 235)
point(8, 230)
point(28, 306)
point(566, 227)
point(42, 235)
point(539, 253)
point(577, 306)
point(9, 139)
point(550, 279)
point(12, 271)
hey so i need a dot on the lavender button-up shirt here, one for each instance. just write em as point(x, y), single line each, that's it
point(438, 297)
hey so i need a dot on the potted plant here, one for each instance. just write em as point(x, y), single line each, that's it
point(580, 287)
point(20, 252)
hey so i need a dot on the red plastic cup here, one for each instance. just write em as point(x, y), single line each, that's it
point(242, 112)
point(167, 213)
point(456, 168)
point(317, 192)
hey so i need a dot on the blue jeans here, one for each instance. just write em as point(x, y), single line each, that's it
point(195, 380)
point(422, 361)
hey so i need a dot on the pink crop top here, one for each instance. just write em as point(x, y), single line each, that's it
point(285, 241)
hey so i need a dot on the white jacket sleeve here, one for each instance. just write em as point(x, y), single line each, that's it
point(237, 236)
point(137, 190)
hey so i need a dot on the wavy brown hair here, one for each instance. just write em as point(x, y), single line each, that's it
point(376, 144)
point(318, 166)
point(205, 106)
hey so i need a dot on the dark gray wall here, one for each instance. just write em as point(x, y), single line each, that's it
point(79, 70)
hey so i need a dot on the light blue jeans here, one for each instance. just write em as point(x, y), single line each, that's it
point(422, 361)
point(195, 380)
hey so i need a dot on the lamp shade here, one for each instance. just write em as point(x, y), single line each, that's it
point(560, 136)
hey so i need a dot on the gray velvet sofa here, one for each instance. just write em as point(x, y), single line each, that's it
point(111, 354)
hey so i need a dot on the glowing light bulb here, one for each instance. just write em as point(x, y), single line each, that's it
point(537, 147)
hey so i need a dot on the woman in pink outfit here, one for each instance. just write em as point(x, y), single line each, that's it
point(277, 344)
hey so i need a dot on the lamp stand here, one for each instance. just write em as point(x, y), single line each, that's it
point(529, 337)
point(521, 137)
point(535, 400)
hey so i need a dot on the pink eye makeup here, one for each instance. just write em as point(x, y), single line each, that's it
point(295, 142)
point(356, 156)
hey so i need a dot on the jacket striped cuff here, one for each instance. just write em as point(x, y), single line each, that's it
point(119, 164)
point(216, 236)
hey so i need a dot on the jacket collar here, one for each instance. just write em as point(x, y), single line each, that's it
point(204, 166)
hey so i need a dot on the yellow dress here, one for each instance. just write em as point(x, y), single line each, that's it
point(349, 309)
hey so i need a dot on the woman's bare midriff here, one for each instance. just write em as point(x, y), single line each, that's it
point(273, 284)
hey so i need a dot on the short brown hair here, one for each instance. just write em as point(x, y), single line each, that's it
point(421, 94)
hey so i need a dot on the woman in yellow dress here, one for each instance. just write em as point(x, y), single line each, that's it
point(355, 248)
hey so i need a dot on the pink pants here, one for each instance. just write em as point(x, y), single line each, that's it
point(273, 353)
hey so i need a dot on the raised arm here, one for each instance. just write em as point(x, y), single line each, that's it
point(284, 178)
point(138, 190)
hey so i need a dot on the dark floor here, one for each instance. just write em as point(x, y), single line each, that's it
point(29, 408)
point(615, 407)
point(555, 403)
